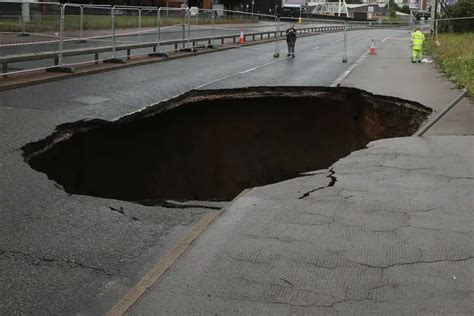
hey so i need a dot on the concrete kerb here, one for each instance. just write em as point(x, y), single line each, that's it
point(114, 66)
point(152, 277)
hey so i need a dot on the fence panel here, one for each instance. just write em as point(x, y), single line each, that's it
point(86, 26)
point(29, 28)
point(94, 33)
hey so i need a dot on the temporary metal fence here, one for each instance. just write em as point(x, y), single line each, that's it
point(108, 33)
point(454, 25)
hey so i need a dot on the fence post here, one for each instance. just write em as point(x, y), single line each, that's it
point(139, 25)
point(61, 35)
point(23, 26)
point(344, 53)
point(81, 21)
point(114, 59)
point(213, 31)
point(158, 29)
point(189, 30)
point(183, 26)
point(158, 35)
point(277, 41)
point(113, 31)
point(60, 59)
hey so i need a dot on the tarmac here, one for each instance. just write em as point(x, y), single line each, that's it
point(386, 230)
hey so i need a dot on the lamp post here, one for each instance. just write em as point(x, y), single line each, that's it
point(253, 3)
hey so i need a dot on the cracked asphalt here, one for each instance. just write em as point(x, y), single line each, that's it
point(386, 230)
point(67, 254)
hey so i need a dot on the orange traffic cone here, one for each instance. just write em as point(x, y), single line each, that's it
point(242, 38)
point(372, 48)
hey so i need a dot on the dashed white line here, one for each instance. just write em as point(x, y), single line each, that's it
point(386, 38)
point(238, 73)
point(339, 40)
point(248, 70)
point(315, 48)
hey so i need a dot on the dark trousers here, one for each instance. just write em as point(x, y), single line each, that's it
point(291, 47)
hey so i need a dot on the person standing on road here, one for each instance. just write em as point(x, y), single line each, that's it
point(291, 40)
point(417, 39)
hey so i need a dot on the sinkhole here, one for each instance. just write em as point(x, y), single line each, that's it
point(207, 145)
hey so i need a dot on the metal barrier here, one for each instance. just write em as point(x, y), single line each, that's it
point(325, 25)
point(454, 25)
point(440, 115)
point(104, 31)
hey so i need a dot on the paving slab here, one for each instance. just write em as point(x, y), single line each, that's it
point(384, 231)
point(391, 72)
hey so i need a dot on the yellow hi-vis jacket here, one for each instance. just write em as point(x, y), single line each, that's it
point(417, 39)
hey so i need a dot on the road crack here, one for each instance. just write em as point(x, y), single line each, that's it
point(331, 184)
point(388, 266)
point(36, 260)
point(168, 204)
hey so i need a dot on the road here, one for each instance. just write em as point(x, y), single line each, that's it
point(62, 254)
point(318, 62)
point(10, 44)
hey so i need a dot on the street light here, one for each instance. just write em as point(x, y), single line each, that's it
point(253, 3)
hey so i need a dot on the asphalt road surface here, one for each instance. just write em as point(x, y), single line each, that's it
point(64, 254)
point(10, 44)
point(318, 62)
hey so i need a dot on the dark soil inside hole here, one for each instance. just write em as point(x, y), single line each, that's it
point(213, 144)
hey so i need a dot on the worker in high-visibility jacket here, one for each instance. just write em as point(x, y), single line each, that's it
point(417, 39)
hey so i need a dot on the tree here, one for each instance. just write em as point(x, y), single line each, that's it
point(464, 8)
point(393, 8)
point(405, 9)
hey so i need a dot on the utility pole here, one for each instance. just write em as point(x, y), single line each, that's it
point(434, 12)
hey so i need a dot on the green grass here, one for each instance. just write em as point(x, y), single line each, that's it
point(97, 22)
point(455, 57)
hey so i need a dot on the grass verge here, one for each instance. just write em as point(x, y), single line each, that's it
point(454, 55)
point(50, 23)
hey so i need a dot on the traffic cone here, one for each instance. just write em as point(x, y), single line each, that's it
point(372, 48)
point(242, 38)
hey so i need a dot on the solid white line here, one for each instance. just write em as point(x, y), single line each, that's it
point(248, 70)
point(386, 38)
point(348, 71)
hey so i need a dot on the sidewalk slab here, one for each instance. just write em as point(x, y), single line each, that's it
point(391, 72)
point(388, 230)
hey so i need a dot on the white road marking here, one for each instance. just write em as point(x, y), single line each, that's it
point(316, 48)
point(339, 40)
point(386, 38)
point(248, 70)
point(348, 71)
point(238, 73)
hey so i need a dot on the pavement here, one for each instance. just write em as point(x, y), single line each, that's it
point(388, 229)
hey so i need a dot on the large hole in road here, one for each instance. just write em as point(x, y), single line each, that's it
point(213, 144)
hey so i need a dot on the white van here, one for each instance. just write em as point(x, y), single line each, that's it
point(194, 11)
